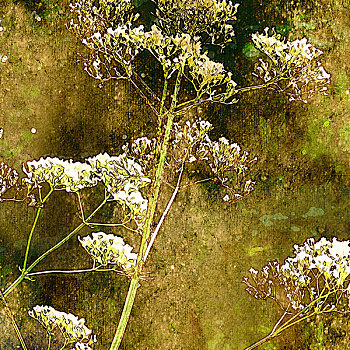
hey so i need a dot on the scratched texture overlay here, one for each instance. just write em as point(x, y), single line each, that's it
point(195, 300)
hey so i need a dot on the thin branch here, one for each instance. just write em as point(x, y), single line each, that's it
point(165, 213)
point(48, 272)
point(13, 321)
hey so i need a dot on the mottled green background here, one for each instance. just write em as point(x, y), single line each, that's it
point(196, 300)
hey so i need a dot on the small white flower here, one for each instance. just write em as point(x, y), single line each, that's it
point(226, 198)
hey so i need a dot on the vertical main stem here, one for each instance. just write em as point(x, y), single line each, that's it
point(130, 298)
point(125, 314)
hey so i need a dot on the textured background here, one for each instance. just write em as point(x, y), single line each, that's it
point(196, 300)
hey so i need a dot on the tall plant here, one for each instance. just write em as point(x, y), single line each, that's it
point(118, 46)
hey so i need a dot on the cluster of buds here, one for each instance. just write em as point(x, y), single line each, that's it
point(292, 66)
point(143, 149)
point(73, 329)
point(315, 280)
point(8, 179)
point(198, 17)
point(108, 249)
point(107, 29)
point(228, 163)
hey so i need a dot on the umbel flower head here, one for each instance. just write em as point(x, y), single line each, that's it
point(293, 61)
point(110, 32)
point(122, 177)
point(108, 249)
point(228, 163)
point(73, 329)
point(315, 279)
point(59, 174)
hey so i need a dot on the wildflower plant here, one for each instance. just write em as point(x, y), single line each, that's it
point(315, 281)
point(114, 37)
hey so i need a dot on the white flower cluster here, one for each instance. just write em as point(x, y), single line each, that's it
point(73, 329)
point(208, 76)
point(182, 50)
point(114, 41)
point(196, 17)
point(292, 67)
point(59, 174)
point(329, 258)
point(107, 28)
point(315, 278)
point(172, 51)
point(108, 249)
point(225, 156)
point(228, 160)
point(122, 177)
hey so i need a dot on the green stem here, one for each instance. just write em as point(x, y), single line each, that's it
point(44, 255)
point(320, 334)
point(64, 345)
point(125, 314)
point(32, 230)
point(49, 345)
point(130, 298)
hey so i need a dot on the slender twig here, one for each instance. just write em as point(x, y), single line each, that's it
point(13, 321)
point(81, 207)
point(195, 183)
point(165, 213)
point(61, 272)
point(58, 245)
point(33, 228)
point(93, 269)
